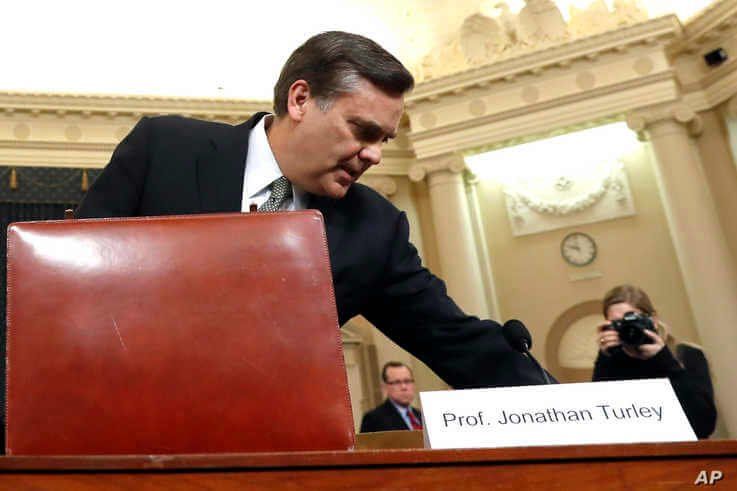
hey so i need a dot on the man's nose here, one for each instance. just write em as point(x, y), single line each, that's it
point(371, 154)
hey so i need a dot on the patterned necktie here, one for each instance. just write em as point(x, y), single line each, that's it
point(413, 420)
point(281, 190)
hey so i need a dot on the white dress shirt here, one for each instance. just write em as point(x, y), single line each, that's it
point(262, 169)
point(403, 410)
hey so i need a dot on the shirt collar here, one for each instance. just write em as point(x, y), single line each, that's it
point(262, 168)
point(402, 409)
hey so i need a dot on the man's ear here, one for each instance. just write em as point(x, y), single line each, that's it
point(298, 96)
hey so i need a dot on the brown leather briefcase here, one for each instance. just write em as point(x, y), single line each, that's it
point(188, 334)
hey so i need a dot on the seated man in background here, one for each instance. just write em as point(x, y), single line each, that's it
point(395, 413)
point(628, 353)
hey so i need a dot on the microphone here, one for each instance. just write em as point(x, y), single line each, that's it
point(520, 340)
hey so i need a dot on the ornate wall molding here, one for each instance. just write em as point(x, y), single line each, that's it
point(537, 120)
point(490, 35)
point(551, 58)
point(594, 78)
point(680, 112)
point(714, 22)
point(589, 79)
point(451, 163)
point(713, 88)
point(63, 105)
point(539, 205)
point(702, 85)
point(610, 183)
point(69, 130)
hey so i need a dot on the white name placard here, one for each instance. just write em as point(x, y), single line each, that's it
point(566, 414)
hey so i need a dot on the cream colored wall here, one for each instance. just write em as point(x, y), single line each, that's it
point(534, 283)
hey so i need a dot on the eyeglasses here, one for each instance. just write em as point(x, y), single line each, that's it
point(406, 381)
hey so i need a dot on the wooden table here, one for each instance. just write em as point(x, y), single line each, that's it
point(600, 467)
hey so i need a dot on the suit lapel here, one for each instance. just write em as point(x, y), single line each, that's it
point(324, 205)
point(332, 219)
point(333, 226)
point(398, 421)
point(221, 167)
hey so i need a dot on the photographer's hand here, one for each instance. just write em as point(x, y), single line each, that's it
point(608, 338)
point(646, 351)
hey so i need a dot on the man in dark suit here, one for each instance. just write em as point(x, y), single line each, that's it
point(396, 412)
point(339, 97)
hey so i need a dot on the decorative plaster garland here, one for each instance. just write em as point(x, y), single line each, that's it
point(611, 182)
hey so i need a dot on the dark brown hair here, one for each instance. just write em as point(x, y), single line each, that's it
point(393, 364)
point(336, 62)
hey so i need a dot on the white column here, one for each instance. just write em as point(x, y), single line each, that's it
point(703, 255)
point(487, 273)
point(457, 250)
point(720, 168)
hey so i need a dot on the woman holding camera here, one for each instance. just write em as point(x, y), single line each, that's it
point(635, 344)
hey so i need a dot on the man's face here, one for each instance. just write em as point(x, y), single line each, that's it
point(399, 385)
point(334, 147)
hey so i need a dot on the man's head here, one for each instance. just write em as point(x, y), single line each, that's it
point(398, 383)
point(338, 99)
point(334, 63)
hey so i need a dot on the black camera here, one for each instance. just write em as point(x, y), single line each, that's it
point(631, 329)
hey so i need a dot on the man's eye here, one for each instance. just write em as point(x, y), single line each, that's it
point(368, 134)
point(360, 132)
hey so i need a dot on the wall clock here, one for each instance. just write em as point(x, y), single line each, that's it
point(578, 249)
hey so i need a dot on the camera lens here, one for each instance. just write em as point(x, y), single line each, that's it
point(631, 329)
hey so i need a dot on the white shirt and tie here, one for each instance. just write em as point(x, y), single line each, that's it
point(262, 169)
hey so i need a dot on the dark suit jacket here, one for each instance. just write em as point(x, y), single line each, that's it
point(175, 165)
point(385, 417)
